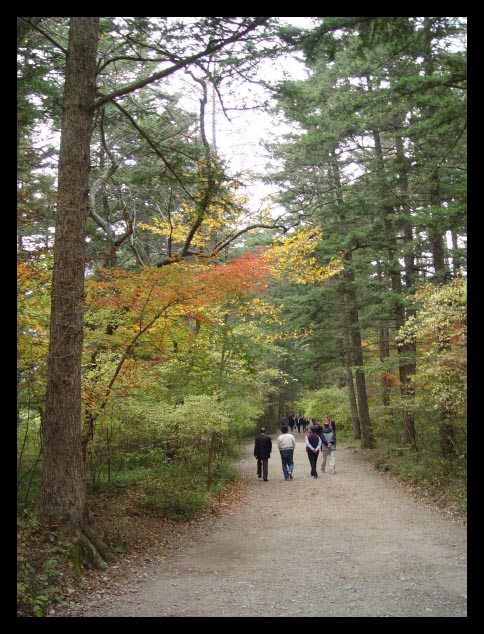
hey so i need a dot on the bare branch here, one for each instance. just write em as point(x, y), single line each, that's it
point(178, 257)
point(210, 49)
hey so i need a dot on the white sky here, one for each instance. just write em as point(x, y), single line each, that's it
point(239, 140)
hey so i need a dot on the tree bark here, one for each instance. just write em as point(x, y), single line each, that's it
point(406, 352)
point(367, 438)
point(211, 457)
point(436, 238)
point(62, 498)
point(384, 349)
point(352, 329)
point(355, 420)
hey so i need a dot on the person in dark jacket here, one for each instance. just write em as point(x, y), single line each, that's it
point(262, 451)
point(328, 440)
point(318, 428)
point(313, 445)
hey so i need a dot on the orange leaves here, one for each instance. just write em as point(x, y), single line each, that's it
point(182, 289)
point(137, 320)
point(388, 379)
point(246, 274)
point(33, 298)
point(149, 304)
point(139, 292)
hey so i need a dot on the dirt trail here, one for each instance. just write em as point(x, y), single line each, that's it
point(351, 544)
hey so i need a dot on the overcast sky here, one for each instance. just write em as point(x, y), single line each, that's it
point(240, 140)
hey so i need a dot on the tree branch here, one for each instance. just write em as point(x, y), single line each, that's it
point(178, 257)
point(152, 144)
point(35, 25)
point(210, 49)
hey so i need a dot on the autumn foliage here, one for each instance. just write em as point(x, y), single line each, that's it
point(138, 322)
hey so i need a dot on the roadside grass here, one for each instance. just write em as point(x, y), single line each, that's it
point(443, 482)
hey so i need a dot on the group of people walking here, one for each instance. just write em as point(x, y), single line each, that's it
point(320, 439)
point(296, 420)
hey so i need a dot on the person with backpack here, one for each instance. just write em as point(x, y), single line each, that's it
point(313, 446)
point(318, 428)
point(328, 439)
point(262, 451)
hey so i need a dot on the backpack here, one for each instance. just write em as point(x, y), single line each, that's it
point(328, 435)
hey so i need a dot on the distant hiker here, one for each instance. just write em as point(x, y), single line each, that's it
point(286, 444)
point(313, 446)
point(262, 451)
point(328, 439)
point(292, 422)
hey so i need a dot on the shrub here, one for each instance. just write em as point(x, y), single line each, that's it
point(175, 504)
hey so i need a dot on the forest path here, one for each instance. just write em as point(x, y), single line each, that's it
point(353, 544)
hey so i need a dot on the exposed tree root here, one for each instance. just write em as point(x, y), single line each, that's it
point(87, 549)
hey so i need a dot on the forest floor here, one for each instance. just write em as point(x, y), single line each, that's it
point(353, 544)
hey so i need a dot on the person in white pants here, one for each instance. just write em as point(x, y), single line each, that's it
point(328, 445)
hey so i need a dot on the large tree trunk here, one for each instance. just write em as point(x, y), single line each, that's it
point(384, 349)
point(352, 328)
point(406, 352)
point(346, 360)
point(62, 499)
point(366, 429)
point(409, 350)
point(355, 420)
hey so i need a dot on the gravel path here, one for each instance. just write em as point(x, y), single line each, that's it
point(353, 544)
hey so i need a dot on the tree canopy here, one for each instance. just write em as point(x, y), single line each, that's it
point(159, 306)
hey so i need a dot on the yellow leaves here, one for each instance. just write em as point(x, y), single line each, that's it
point(33, 299)
point(164, 227)
point(292, 257)
point(439, 331)
point(441, 317)
point(271, 313)
point(198, 415)
point(217, 213)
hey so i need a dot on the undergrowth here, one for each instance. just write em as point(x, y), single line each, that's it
point(442, 481)
point(44, 571)
point(164, 491)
